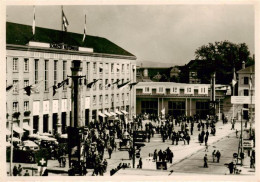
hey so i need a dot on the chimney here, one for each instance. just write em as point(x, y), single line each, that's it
point(243, 65)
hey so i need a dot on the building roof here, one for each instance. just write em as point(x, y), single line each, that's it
point(249, 69)
point(19, 34)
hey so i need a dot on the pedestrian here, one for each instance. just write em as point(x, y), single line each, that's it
point(155, 155)
point(236, 133)
point(218, 154)
point(15, 171)
point(160, 155)
point(109, 150)
point(171, 155)
point(231, 167)
point(213, 155)
point(63, 160)
point(242, 156)
point(205, 161)
point(20, 169)
point(140, 165)
point(206, 140)
point(26, 173)
point(188, 139)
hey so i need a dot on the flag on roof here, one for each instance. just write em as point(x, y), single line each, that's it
point(65, 21)
point(33, 27)
point(85, 29)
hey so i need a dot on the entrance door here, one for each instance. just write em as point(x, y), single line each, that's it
point(35, 124)
point(86, 117)
point(54, 122)
point(63, 122)
point(45, 123)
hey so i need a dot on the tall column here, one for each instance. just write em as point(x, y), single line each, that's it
point(75, 94)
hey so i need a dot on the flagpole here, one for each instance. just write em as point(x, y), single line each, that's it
point(62, 24)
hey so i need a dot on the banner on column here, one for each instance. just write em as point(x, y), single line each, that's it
point(87, 102)
point(63, 105)
point(46, 107)
point(36, 108)
point(55, 106)
point(189, 89)
point(203, 90)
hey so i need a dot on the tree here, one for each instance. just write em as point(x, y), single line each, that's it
point(222, 57)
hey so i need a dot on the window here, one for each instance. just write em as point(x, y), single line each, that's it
point(15, 107)
point(117, 97)
point(36, 73)
point(94, 86)
point(15, 64)
point(246, 80)
point(64, 72)
point(122, 81)
point(100, 100)
point(26, 105)
point(127, 68)
point(112, 85)
point(101, 68)
point(100, 86)
point(55, 71)
point(26, 65)
point(87, 70)
point(117, 68)
point(127, 97)
point(123, 96)
point(94, 100)
point(94, 68)
point(26, 83)
point(146, 89)
point(123, 68)
point(160, 89)
point(106, 99)
point(112, 68)
point(246, 92)
point(112, 97)
point(106, 83)
point(46, 75)
point(15, 86)
point(106, 68)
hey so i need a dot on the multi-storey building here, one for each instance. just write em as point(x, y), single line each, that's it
point(44, 60)
point(178, 98)
point(246, 86)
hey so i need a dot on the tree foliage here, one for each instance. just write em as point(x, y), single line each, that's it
point(221, 57)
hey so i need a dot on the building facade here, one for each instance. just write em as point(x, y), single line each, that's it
point(43, 62)
point(178, 98)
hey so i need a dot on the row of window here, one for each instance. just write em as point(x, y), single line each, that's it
point(112, 98)
point(16, 106)
point(101, 66)
point(176, 90)
point(64, 71)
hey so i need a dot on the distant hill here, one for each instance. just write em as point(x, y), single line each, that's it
point(153, 64)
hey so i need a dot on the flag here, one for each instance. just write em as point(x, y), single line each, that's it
point(64, 21)
point(31, 89)
point(234, 80)
point(133, 84)
point(91, 83)
point(62, 83)
point(54, 87)
point(123, 85)
point(9, 87)
point(250, 82)
point(33, 27)
point(85, 29)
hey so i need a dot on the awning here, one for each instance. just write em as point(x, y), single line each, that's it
point(118, 112)
point(108, 114)
point(15, 139)
point(101, 114)
point(18, 129)
point(113, 113)
point(27, 127)
point(123, 111)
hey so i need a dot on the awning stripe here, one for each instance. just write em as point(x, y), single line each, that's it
point(18, 129)
point(102, 115)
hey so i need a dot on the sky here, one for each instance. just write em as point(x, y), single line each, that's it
point(167, 34)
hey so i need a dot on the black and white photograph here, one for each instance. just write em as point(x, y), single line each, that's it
point(113, 90)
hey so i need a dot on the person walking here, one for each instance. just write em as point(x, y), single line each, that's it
point(140, 165)
point(213, 155)
point(188, 139)
point(109, 150)
point(205, 161)
point(231, 167)
point(218, 154)
point(15, 171)
point(26, 173)
point(155, 155)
